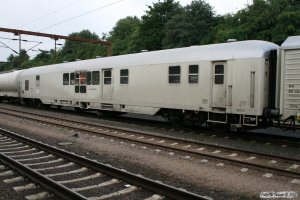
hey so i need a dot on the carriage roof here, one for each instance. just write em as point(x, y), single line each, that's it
point(196, 54)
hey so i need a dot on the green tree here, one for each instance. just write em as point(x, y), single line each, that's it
point(152, 28)
point(190, 26)
point(17, 61)
point(271, 20)
point(124, 36)
point(73, 50)
point(288, 23)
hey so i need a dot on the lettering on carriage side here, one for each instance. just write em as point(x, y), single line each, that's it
point(294, 91)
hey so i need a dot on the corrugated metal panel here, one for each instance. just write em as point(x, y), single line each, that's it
point(292, 82)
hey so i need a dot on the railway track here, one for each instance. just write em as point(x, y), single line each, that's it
point(269, 164)
point(70, 176)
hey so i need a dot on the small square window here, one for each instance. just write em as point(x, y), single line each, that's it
point(219, 69)
point(219, 79)
point(124, 72)
point(174, 74)
point(193, 78)
point(193, 69)
point(174, 79)
point(82, 89)
point(174, 70)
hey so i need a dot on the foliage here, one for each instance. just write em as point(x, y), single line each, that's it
point(16, 62)
point(190, 26)
point(152, 28)
point(73, 50)
point(124, 36)
point(271, 20)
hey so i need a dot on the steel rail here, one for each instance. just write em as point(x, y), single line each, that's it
point(39, 178)
point(147, 134)
point(284, 172)
point(138, 180)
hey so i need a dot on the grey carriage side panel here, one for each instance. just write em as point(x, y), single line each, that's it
point(291, 83)
point(290, 76)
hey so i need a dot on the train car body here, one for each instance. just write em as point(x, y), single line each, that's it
point(290, 78)
point(231, 83)
point(9, 84)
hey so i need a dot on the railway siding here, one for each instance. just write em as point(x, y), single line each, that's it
point(266, 163)
point(30, 157)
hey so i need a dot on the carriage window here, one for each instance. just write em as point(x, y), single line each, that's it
point(89, 78)
point(72, 78)
point(219, 74)
point(193, 73)
point(66, 78)
point(174, 74)
point(82, 78)
point(95, 77)
point(124, 76)
point(37, 80)
point(82, 89)
point(77, 78)
point(107, 77)
point(26, 85)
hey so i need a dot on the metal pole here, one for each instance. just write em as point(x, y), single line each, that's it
point(55, 39)
point(55, 45)
point(19, 44)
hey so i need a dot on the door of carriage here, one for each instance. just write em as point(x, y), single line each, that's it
point(107, 84)
point(219, 81)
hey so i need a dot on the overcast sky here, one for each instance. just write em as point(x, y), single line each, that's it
point(53, 17)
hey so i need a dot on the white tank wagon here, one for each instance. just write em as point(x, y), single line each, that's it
point(236, 83)
point(9, 84)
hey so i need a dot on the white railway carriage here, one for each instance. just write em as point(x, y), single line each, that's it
point(232, 83)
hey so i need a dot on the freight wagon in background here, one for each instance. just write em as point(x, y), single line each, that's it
point(240, 84)
point(290, 78)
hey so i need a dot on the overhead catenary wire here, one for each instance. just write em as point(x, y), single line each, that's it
point(81, 15)
point(9, 47)
point(75, 17)
point(17, 39)
point(50, 13)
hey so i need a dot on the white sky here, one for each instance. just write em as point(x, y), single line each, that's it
point(38, 15)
